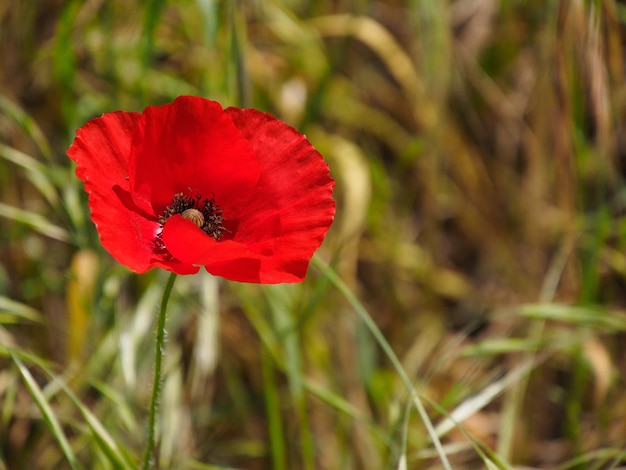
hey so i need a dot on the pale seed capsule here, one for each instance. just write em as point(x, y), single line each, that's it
point(195, 216)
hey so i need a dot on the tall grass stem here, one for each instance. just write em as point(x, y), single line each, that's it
point(391, 355)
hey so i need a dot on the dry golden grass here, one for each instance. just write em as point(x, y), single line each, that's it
point(478, 149)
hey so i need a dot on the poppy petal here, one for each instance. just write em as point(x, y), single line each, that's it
point(229, 259)
point(282, 220)
point(295, 187)
point(271, 189)
point(189, 144)
point(101, 151)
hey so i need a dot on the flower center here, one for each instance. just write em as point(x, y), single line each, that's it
point(201, 211)
point(195, 216)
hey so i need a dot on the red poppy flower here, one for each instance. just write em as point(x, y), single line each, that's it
point(190, 184)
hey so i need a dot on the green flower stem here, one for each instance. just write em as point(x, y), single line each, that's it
point(158, 379)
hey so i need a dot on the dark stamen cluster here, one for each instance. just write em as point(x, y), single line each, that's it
point(213, 221)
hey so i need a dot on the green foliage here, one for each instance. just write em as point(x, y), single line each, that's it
point(467, 307)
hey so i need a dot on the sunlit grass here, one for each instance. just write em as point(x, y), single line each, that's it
point(467, 305)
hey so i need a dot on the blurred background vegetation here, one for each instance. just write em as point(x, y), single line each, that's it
point(478, 148)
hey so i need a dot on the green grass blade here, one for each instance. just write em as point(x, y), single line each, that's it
point(210, 16)
point(153, 9)
point(105, 441)
point(65, 63)
point(27, 124)
point(11, 310)
point(391, 355)
point(493, 346)
point(581, 316)
point(48, 414)
point(237, 64)
point(280, 305)
point(402, 459)
point(272, 406)
point(35, 221)
point(477, 402)
point(35, 171)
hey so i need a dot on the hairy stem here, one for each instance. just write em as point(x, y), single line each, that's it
point(148, 461)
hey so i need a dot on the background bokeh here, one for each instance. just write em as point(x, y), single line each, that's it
point(478, 148)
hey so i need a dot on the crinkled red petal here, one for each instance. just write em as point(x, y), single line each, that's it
point(229, 259)
point(273, 187)
point(101, 151)
point(279, 223)
point(190, 144)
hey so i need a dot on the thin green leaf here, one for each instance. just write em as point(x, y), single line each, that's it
point(493, 346)
point(280, 305)
point(28, 125)
point(272, 405)
point(107, 443)
point(12, 310)
point(592, 317)
point(391, 355)
point(210, 16)
point(475, 403)
point(35, 171)
point(36, 221)
point(46, 411)
point(114, 454)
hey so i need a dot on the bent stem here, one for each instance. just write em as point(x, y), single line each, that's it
point(158, 379)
